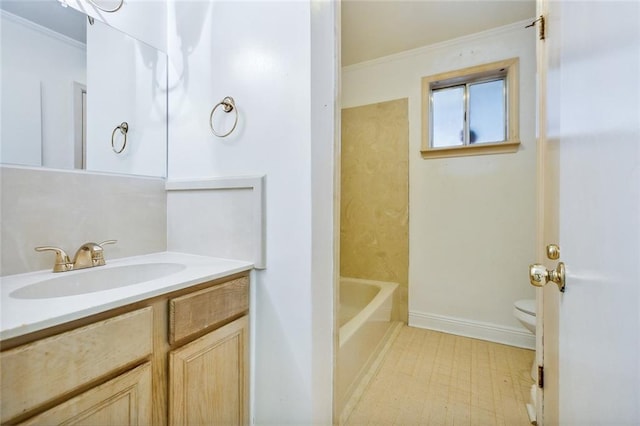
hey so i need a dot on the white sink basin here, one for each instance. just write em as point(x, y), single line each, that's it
point(95, 279)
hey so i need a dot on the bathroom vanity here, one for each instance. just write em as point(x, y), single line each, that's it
point(170, 350)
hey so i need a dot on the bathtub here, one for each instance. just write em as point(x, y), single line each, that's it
point(364, 317)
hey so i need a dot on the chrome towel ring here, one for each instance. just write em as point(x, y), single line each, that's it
point(124, 129)
point(115, 9)
point(228, 105)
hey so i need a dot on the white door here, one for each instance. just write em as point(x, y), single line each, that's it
point(590, 161)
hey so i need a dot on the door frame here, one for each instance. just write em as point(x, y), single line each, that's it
point(547, 222)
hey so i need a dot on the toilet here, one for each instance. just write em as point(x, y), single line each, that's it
point(525, 311)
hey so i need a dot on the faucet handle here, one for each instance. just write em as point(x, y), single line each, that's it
point(63, 263)
point(107, 242)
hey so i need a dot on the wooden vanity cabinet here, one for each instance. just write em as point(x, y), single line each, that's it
point(208, 377)
point(180, 358)
point(124, 400)
point(44, 373)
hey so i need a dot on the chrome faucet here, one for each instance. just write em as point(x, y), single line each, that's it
point(87, 256)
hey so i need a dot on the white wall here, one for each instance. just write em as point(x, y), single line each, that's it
point(472, 219)
point(39, 68)
point(126, 80)
point(260, 53)
point(143, 19)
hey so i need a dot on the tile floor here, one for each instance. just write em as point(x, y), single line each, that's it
point(432, 378)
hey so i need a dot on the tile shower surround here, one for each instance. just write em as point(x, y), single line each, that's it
point(374, 196)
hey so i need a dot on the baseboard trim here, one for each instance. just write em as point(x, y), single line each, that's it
point(476, 329)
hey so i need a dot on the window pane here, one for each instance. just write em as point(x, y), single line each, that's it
point(448, 117)
point(487, 112)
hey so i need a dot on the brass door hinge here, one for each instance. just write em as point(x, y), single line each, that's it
point(541, 27)
point(540, 376)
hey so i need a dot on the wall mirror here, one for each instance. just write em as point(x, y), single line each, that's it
point(79, 95)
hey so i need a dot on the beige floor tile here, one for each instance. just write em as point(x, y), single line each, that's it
point(411, 414)
point(432, 378)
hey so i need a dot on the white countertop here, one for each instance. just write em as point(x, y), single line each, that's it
point(21, 316)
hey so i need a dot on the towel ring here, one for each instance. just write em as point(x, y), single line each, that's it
point(124, 129)
point(115, 9)
point(228, 105)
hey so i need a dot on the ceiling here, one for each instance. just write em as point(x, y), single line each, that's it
point(375, 28)
point(50, 14)
point(370, 28)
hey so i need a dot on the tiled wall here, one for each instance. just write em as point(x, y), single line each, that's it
point(374, 217)
point(68, 208)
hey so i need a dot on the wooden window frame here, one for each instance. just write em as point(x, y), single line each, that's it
point(508, 68)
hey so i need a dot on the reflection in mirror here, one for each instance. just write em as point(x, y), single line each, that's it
point(67, 85)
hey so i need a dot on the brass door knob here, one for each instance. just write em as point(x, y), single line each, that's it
point(539, 275)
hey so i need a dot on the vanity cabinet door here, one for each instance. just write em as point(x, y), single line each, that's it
point(208, 378)
point(125, 400)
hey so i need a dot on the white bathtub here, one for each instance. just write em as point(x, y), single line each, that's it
point(364, 317)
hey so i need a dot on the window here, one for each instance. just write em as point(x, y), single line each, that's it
point(471, 111)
